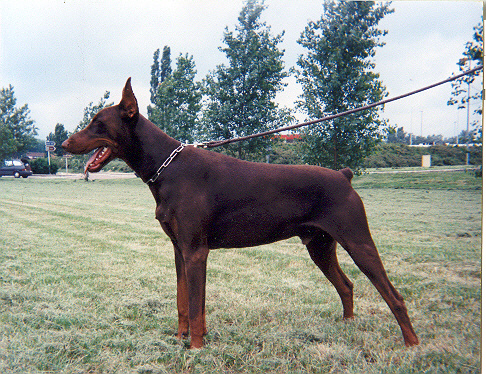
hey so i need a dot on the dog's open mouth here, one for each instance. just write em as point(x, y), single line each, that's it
point(100, 158)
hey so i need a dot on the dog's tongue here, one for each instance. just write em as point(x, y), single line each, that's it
point(95, 162)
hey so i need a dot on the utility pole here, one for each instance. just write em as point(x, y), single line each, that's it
point(421, 123)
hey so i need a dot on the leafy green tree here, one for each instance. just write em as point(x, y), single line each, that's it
point(91, 110)
point(337, 75)
point(17, 130)
point(58, 136)
point(241, 95)
point(177, 101)
point(161, 69)
point(397, 135)
point(462, 97)
point(39, 145)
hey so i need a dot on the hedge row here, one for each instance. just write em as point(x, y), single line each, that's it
point(400, 155)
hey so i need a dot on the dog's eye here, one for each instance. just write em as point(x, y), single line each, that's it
point(100, 127)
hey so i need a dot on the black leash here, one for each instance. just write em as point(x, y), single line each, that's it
point(217, 143)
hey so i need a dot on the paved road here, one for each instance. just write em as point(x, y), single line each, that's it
point(391, 171)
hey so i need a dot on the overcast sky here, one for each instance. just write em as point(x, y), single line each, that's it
point(61, 55)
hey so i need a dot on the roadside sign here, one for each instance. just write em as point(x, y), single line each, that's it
point(50, 143)
point(67, 156)
point(50, 148)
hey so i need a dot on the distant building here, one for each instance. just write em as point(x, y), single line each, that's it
point(290, 138)
point(34, 155)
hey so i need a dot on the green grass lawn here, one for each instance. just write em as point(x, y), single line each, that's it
point(87, 285)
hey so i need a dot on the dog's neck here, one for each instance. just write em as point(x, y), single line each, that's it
point(149, 148)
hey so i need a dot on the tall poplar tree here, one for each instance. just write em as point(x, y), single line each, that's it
point(241, 94)
point(337, 75)
point(177, 101)
point(161, 69)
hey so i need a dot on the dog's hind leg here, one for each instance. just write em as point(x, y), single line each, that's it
point(367, 259)
point(353, 234)
point(322, 250)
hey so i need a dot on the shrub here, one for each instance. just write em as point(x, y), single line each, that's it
point(394, 155)
point(41, 166)
point(401, 155)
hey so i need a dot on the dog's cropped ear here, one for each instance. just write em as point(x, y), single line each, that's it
point(128, 104)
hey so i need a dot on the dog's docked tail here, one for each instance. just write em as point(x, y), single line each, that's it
point(347, 173)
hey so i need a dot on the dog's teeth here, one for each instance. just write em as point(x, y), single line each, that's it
point(102, 153)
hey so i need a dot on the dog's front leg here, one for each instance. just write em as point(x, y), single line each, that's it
point(182, 295)
point(195, 266)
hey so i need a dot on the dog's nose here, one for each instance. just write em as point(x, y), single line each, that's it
point(65, 144)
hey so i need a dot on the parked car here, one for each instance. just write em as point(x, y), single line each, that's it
point(16, 168)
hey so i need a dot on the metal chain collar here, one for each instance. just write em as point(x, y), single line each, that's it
point(166, 163)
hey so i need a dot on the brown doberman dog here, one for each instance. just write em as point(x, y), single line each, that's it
point(206, 200)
